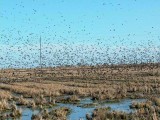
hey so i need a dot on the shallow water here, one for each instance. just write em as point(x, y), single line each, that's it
point(27, 113)
point(123, 105)
point(78, 113)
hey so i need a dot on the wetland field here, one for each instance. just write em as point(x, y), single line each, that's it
point(102, 92)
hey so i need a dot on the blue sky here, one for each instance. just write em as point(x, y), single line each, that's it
point(108, 22)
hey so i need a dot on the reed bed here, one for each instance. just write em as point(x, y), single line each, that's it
point(103, 83)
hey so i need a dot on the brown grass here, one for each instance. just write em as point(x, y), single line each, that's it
point(99, 83)
point(5, 94)
point(4, 105)
point(57, 114)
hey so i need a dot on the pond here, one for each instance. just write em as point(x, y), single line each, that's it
point(79, 112)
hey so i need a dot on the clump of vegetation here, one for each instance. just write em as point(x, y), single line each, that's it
point(144, 111)
point(4, 105)
point(13, 112)
point(70, 99)
point(61, 112)
point(103, 114)
point(16, 113)
point(138, 105)
point(52, 101)
point(57, 114)
point(40, 100)
point(22, 101)
point(156, 101)
point(32, 104)
point(36, 117)
point(5, 95)
point(88, 105)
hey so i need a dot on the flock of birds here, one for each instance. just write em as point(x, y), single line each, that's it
point(19, 50)
point(28, 55)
